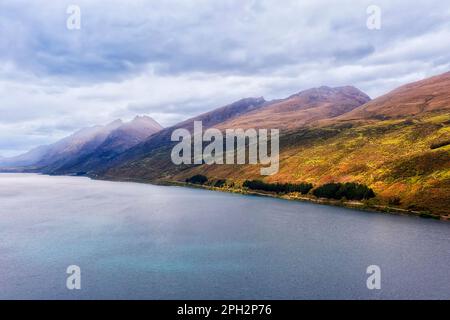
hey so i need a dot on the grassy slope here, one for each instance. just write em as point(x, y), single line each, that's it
point(393, 157)
point(385, 143)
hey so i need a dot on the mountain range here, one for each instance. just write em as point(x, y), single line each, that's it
point(86, 149)
point(398, 144)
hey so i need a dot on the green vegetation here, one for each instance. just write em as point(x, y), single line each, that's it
point(349, 190)
point(219, 183)
point(392, 157)
point(197, 179)
point(303, 188)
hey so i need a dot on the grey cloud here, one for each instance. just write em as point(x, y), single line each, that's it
point(173, 59)
point(117, 40)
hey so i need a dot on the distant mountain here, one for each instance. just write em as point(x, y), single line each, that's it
point(59, 157)
point(118, 140)
point(84, 139)
point(130, 134)
point(27, 159)
point(81, 142)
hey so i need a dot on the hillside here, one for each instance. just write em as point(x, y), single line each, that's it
point(301, 109)
point(397, 144)
point(403, 154)
point(157, 148)
point(151, 160)
point(416, 98)
point(395, 158)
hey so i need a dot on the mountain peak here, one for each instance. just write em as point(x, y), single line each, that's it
point(143, 118)
point(115, 124)
point(145, 121)
point(251, 100)
point(117, 121)
point(302, 108)
point(326, 91)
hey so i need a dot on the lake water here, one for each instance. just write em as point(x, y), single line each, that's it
point(136, 241)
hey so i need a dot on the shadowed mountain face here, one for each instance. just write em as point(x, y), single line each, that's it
point(65, 155)
point(83, 140)
point(117, 141)
point(27, 159)
point(130, 134)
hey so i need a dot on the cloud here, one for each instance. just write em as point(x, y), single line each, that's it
point(173, 59)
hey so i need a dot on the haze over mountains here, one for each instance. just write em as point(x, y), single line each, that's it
point(398, 144)
point(85, 147)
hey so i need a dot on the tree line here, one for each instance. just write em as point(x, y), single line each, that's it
point(303, 188)
point(338, 191)
point(197, 179)
point(349, 190)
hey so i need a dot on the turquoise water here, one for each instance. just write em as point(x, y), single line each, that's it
point(136, 241)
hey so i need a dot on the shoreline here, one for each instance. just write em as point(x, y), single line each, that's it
point(359, 205)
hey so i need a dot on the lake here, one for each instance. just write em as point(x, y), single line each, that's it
point(138, 241)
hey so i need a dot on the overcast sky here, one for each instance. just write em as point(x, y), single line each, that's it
point(175, 59)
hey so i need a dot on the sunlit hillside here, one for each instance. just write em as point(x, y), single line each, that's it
point(397, 144)
point(402, 160)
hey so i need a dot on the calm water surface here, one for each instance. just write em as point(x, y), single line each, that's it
point(136, 241)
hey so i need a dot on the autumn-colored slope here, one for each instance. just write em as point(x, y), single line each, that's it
point(394, 157)
point(301, 109)
point(432, 94)
point(151, 159)
point(398, 144)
